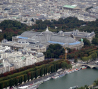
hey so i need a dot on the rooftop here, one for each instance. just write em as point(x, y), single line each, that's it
point(56, 42)
point(22, 37)
point(75, 43)
point(70, 6)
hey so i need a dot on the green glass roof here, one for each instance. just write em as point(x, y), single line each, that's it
point(69, 6)
point(23, 58)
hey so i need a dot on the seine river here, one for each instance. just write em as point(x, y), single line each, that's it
point(80, 78)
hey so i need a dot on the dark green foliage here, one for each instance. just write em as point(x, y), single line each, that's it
point(41, 71)
point(88, 52)
point(64, 64)
point(10, 24)
point(45, 71)
point(95, 41)
point(95, 83)
point(16, 81)
point(20, 80)
point(11, 82)
point(86, 42)
point(1, 85)
point(32, 20)
point(25, 77)
point(12, 28)
point(75, 60)
point(64, 24)
point(85, 87)
point(94, 56)
point(54, 51)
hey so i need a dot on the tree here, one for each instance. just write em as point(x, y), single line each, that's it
point(95, 41)
point(85, 58)
point(94, 56)
point(32, 76)
point(25, 77)
point(49, 69)
point(64, 65)
point(41, 71)
point(86, 42)
point(54, 51)
point(16, 81)
point(20, 79)
point(11, 83)
point(52, 69)
point(86, 87)
point(75, 60)
point(1, 85)
point(32, 20)
point(12, 28)
point(45, 70)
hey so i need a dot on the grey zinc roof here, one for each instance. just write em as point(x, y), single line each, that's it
point(62, 39)
point(29, 34)
point(44, 37)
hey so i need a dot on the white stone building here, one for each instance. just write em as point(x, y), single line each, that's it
point(10, 60)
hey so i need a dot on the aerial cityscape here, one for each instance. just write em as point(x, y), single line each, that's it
point(25, 10)
point(48, 44)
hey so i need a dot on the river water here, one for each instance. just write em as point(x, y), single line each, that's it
point(80, 78)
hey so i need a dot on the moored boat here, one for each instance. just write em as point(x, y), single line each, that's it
point(23, 87)
point(83, 67)
point(55, 76)
point(32, 86)
point(74, 87)
point(77, 69)
point(47, 79)
point(62, 74)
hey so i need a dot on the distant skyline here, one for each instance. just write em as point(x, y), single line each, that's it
point(25, 10)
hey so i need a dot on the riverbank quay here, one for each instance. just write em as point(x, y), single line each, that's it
point(60, 72)
point(32, 82)
point(39, 79)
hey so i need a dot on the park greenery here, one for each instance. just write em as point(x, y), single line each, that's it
point(86, 42)
point(12, 28)
point(87, 53)
point(32, 72)
point(54, 51)
point(67, 24)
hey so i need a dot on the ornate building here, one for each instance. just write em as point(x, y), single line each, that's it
point(47, 37)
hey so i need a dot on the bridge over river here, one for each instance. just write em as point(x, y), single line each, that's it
point(89, 65)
